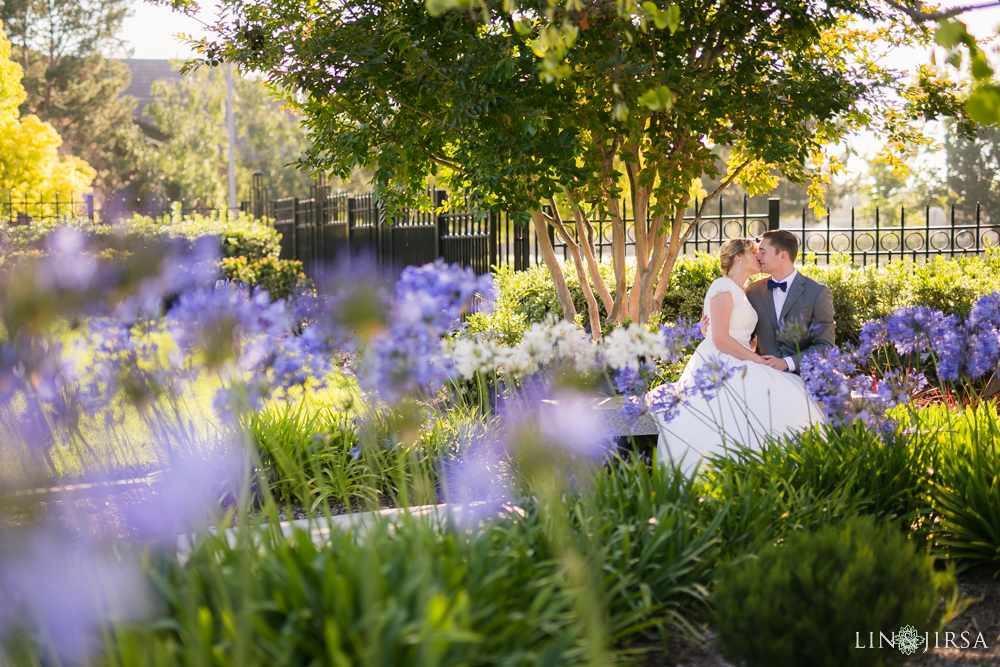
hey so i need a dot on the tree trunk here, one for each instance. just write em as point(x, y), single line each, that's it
point(555, 270)
point(587, 241)
point(581, 275)
point(617, 313)
point(640, 217)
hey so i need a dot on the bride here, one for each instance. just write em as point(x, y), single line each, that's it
point(727, 396)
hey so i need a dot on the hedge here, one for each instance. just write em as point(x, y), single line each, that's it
point(860, 294)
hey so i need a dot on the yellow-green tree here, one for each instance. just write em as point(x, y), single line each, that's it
point(31, 168)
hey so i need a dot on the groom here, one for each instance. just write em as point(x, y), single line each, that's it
point(794, 313)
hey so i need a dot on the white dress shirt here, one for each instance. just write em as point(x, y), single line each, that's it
point(779, 297)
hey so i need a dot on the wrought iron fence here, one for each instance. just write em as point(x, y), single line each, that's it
point(956, 233)
point(24, 209)
point(327, 226)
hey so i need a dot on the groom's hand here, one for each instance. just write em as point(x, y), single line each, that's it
point(704, 324)
point(775, 362)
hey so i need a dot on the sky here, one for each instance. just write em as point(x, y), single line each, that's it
point(151, 30)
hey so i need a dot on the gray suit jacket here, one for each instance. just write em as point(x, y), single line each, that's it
point(806, 321)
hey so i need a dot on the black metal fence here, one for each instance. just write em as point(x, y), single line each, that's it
point(328, 226)
point(26, 210)
point(955, 233)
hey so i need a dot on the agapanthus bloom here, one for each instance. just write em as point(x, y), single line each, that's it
point(711, 377)
point(407, 357)
point(911, 329)
point(830, 377)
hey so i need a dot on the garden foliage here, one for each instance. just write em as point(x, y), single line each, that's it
point(801, 602)
point(30, 162)
point(559, 550)
point(860, 294)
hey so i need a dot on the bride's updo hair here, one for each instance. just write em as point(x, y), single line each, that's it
point(732, 249)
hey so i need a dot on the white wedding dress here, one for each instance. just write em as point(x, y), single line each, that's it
point(755, 402)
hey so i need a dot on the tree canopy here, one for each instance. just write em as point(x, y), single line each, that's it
point(582, 105)
point(191, 165)
point(63, 46)
point(30, 163)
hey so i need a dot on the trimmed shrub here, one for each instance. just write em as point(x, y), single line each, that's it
point(811, 600)
point(280, 277)
point(242, 236)
point(860, 294)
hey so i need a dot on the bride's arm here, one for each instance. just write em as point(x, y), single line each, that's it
point(721, 307)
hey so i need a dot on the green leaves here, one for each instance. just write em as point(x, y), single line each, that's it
point(657, 99)
point(952, 33)
point(667, 18)
point(984, 104)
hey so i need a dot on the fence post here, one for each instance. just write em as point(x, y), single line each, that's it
point(319, 220)
point(773, 214)
point(440, 196)
point(351, 205)
point(494, 241)
point(295, 228)
point(257, 196)
point(88, 200)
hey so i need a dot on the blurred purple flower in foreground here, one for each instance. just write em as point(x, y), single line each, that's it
point(194, 486)
point(570, 424)
point(477, 480)
point(66, 590)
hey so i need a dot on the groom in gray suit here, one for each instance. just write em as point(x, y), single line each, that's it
point(794, 313)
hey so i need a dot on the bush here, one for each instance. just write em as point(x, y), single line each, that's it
point(280, 277)
point(242, 236)
point(860, 294)
point(802, 602)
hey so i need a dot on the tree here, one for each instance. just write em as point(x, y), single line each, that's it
point(193, 163)
point(61, 46)
point(973, 174)
point(983, 101)
point(574, 106)
point(29, 159)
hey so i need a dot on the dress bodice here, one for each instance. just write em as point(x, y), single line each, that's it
point(743, 320)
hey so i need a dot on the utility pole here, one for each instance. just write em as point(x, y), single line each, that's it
point(231, 128)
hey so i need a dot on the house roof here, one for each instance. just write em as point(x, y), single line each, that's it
point(144, 73)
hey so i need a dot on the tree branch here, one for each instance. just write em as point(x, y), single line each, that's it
point(917, 14)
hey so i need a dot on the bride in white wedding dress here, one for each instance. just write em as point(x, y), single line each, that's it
point(727, 396)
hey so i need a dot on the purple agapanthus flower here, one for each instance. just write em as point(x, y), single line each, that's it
point(830, 376)
point(710, 378)
point(406, 358)
point(477, 480)
point(436, 296)
point(666, 401)
point(873, 337)
point(633, 384)
point(680, 336)
point(572, 425)
point(911, 329)
point(67, 589)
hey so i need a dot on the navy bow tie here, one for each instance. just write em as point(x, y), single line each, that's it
point(771, 285)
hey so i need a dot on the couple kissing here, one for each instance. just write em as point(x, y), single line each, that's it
point(741, 384)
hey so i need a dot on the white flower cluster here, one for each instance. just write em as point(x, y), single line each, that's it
point(624, 346)
point(558, 342)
